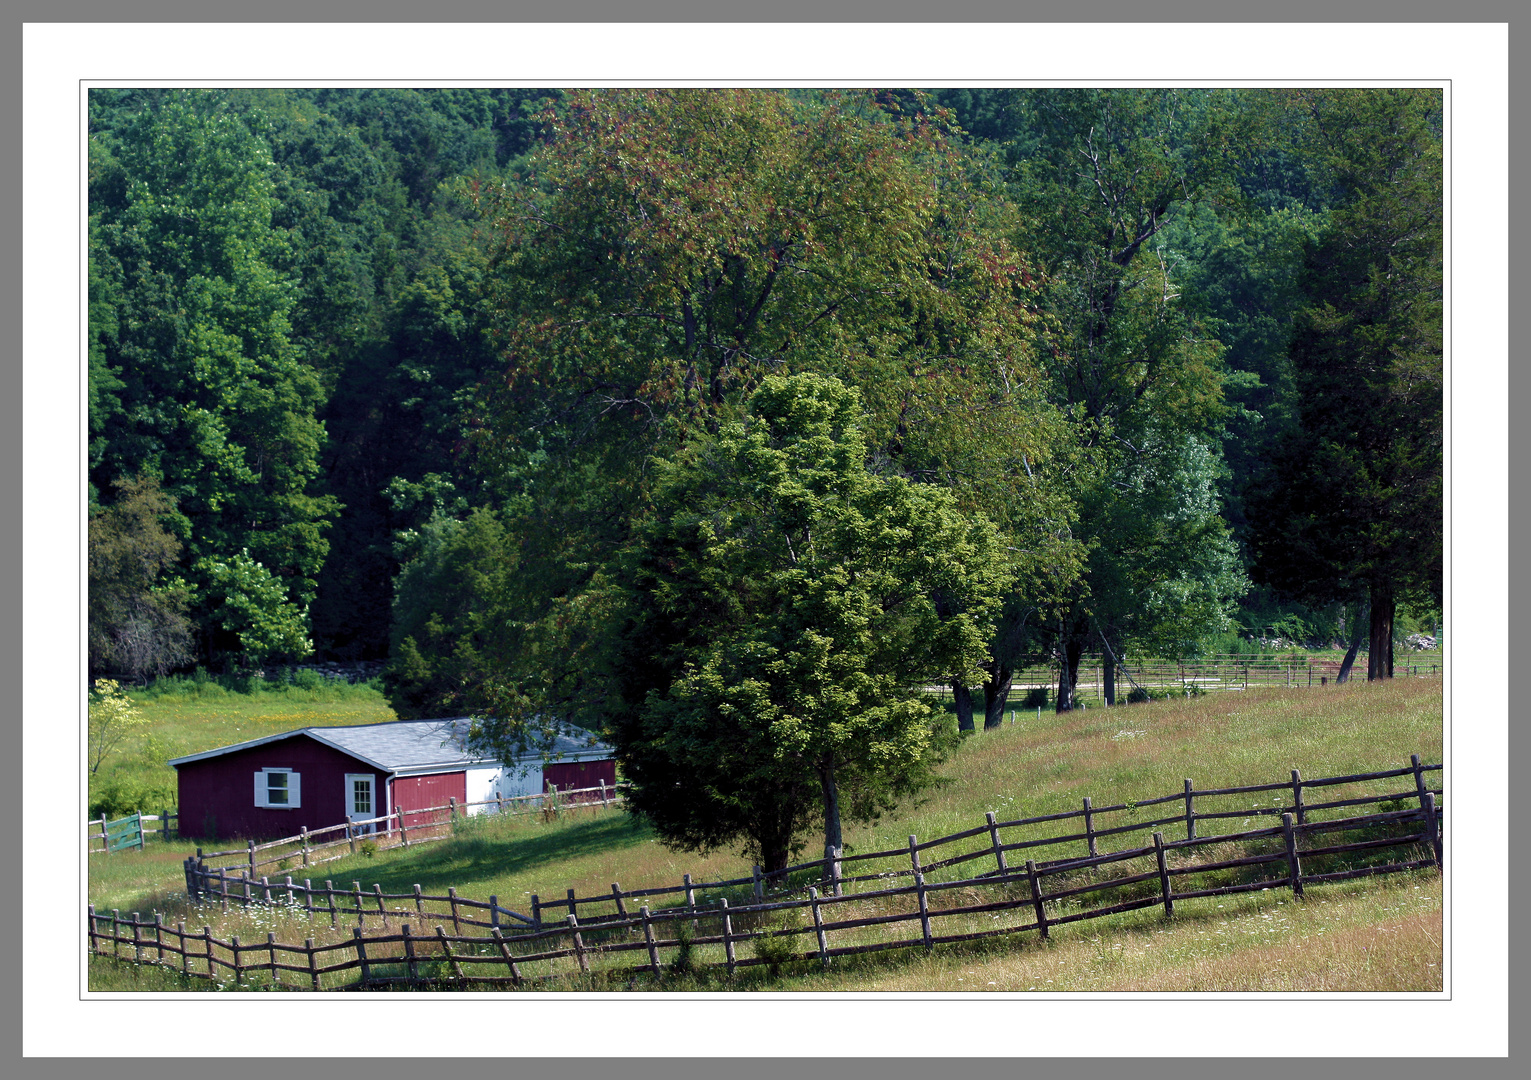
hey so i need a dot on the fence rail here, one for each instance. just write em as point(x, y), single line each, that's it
point(130, 831)
point(1036, 897)
point(1207, 674)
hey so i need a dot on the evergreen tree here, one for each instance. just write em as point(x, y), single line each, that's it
point(1352, 506)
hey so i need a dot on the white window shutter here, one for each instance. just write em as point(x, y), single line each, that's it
point(260, 789)
point(294, 790)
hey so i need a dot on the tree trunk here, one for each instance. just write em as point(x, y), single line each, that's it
point(1068, 673)
point(1379, 665)
point(1356, 636)
point(996, 694)
point(964, 698)
point(1108, 678)
point(832, 838)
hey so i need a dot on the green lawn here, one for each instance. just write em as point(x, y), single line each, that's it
point(1026, 769)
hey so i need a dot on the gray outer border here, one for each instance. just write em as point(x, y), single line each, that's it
point(700, 10)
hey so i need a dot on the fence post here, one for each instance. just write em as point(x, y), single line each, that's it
point(999, 851)
point(138, 818)
point(1294, 868)
point(515, 972)
point(446, 947)
point(351, 832)
point(1419, 778)
point(648, 938)
point(250, 855)
point(836, 871)
point(304, 835)
point(494, 913)
point(308, 898)
point(377, 891)
point(329, 896)
point(602, 783)
point(536, 911)
point(1089, 827)
point(409, 957)
point(572, 902)
point(403, 835)
point(106, 840)
point(690, 898)
point(419, 901)
point(271, 951)
point(759, 886)
point(360, 915)
point(1164, 874)
point(361, 954)
point(313, 963)
point(1297, 807)
point(1190, 813)
point(1432, 827)
point(452, 809)
point(579, 945)
point(90, 925)
point(919, 884)
point(265, 890)
point(452, 900)
point(728, 934)
point(818, 928)
point(180, 933)
point(1036, 896)
point(115, 935)
point(616, 895)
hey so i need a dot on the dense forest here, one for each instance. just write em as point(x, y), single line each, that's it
point(437, 376)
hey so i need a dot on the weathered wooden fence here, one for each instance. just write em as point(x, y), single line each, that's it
point(1207, 674)
point(401, 828)
point(127, 832)
point(1033, 897)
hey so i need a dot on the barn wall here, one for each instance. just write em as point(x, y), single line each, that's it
point(419, 792)
point(579, 774)
point(217, 795)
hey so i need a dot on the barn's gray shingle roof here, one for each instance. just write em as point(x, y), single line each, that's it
point(406, 745)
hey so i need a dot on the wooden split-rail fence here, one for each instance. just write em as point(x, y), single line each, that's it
point(400, 828)
point(1310, 845)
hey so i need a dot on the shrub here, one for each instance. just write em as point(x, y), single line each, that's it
point(1036, 698)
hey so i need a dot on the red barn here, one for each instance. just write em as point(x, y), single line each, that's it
point(318, 776)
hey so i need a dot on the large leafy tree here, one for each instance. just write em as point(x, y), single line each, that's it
point(780, 612)
point(1351, 508)
point(195, 378)
point(1101, 173)
point(673, 248)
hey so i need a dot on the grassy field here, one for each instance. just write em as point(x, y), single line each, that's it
point(1376, 934)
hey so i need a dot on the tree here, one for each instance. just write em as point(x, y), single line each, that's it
point(1100, 173)
point(674, 248)
point(136, 614)
point(781, 610)
point(112, 717)
point(1351, 508)
point(195, 376)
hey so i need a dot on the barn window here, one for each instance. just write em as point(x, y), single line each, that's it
point(278, 789)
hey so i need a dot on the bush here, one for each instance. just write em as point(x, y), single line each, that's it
point(1036, 698)
point(125, 794)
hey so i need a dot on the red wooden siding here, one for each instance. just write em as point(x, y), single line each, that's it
point(217, 795)
point(570, 775)
point(419, 792)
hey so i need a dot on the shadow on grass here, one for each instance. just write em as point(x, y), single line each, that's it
point(481, 855)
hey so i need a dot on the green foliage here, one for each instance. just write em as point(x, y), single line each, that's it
point(1351, 506)
point(138, 625)
point(124, 792)
point(780, 611)
point(111, 718)
point(198, 380)
point(252, 605)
